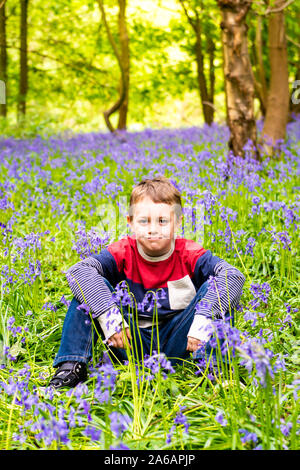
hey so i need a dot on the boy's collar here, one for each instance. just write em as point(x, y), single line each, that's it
point(155, 258)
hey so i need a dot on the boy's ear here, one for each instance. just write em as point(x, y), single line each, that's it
point(178, 222)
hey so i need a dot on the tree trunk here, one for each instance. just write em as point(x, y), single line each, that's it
point(261, 83)
point(23, 85)
point(206, 97)
point(3, 60)
point(278, 97)
point(239, 80)
point(124, 56)
point(123, 85)
point(207, 107)
point(211, 54)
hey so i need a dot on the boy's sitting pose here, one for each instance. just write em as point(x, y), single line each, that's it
point(154, 263)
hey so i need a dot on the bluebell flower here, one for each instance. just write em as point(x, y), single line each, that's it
point(121, 295)
point(157, 362)
point(49, 306)
point(254, 356)
point(119, 423)
point(250, 245)
point(181, 419)
point(91, 432)
point(221, 419)
point(250, 316)
point(285, 428)
point(106, 376)
point(247, 436)
point(260, 293)
point(84, 307)
point(295, 386)
point(64, 301)
point(256, 199)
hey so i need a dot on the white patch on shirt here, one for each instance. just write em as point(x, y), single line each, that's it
point(181, 292)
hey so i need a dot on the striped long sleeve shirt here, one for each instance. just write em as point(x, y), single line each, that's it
point(173, 279)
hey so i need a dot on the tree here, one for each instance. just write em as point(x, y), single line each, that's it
point(260, 79)
point(124, 46)
point(23, 84)
point(277, 112)
point(239, 82)
point(3, 54)
point(206, 87)
point(122, 56)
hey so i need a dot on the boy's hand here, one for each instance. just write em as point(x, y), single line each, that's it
point(118, 340)
point(193, 344)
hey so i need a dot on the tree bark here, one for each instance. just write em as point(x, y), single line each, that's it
point(211, 91)
point(3, 58)
point(276, 119)
point(239, 80)
point(124, 84)
point(124, 56)
point(23, 84)
point(206, 97)
point(261, 83)
point(207, 107)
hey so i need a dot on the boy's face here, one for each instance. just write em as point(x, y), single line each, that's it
point(154, 225)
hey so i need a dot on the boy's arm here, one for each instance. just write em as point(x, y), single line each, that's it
point(223, 294)
point(86, 282)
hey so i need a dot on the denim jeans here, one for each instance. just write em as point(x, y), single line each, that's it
point(79, 335)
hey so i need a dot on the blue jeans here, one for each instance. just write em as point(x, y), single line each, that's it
point(79, 335)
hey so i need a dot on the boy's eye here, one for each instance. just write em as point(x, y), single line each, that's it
point(161, 221)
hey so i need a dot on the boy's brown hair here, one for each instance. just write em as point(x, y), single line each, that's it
point(160, 190)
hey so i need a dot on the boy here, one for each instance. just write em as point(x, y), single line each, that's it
point(154, 263)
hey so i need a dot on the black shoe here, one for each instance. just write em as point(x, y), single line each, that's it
point(69, 374)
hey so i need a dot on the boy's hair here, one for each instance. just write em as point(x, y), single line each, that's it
point(160, 190)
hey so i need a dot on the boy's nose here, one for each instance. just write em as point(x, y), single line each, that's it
point(152, 229)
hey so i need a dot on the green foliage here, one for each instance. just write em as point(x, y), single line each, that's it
point(74, 75)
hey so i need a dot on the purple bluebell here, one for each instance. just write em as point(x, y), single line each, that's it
point(119, 423)
point(255, 357)
point(92, 432)
point(220, 418)
point(158, 362)
point(247, 436)
point(250, 245)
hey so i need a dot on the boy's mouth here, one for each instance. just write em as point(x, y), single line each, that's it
point(154, 238)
